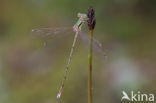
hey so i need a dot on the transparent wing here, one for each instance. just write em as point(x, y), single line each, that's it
point(50, 32)
point(54, 43)
point(97, 46)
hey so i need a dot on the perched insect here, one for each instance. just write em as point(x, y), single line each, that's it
point(52, 32)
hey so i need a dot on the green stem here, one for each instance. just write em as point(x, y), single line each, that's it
point(90, 69)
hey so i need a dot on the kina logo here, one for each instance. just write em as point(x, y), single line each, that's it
point(138, 96)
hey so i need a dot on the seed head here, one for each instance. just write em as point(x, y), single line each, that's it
point(91, 18)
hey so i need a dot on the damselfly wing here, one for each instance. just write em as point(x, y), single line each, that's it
point(48, 33)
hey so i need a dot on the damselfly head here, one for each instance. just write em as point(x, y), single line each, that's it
point(82, 16)
point(91, 18)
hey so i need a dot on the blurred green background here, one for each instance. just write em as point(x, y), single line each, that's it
point(32, 73)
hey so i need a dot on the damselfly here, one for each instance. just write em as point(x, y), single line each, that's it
point(52, 32)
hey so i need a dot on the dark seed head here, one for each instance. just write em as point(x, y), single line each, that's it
point(91, 18)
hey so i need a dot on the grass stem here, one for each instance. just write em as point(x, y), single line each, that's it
point(90, 69)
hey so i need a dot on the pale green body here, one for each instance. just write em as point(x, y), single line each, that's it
point(76, 29)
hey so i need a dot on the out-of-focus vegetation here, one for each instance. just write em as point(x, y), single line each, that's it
point(30, 73)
